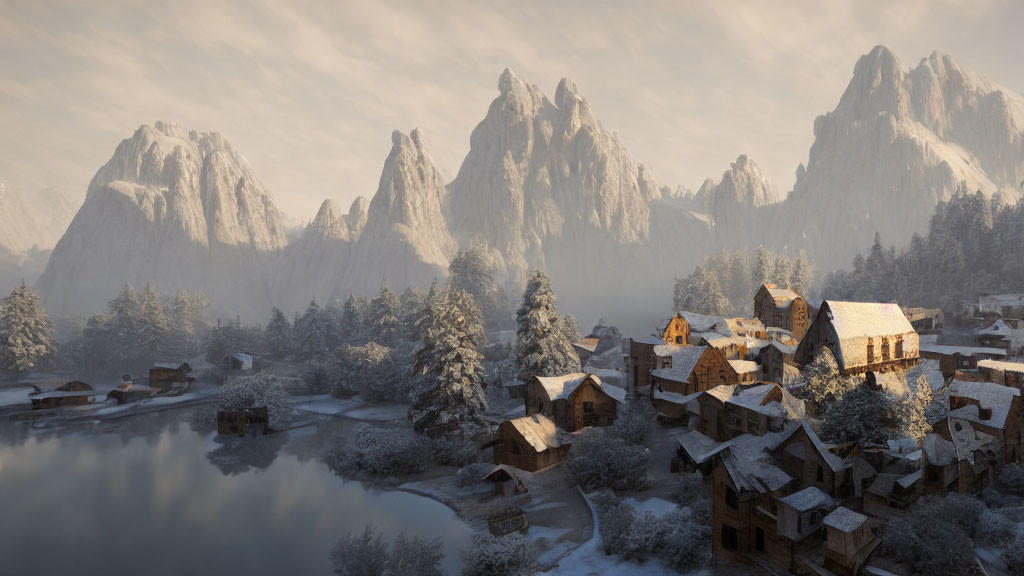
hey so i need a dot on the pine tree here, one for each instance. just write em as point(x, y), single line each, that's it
point(420, 321)
point(542, 348)
point(409, 305)
point(277, 336)
point(571, 328)
point(764, 266)
point(384, 325)
point(123, 326)
point(26, 334)
point(352, 321)
point(471, 270)
point(450, 355)
point(783, 273)
point(803, 275)
point(313, 332)
point(153, 329)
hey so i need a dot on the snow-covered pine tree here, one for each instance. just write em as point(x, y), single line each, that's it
point(409, 305)
point(802, 276)
point(542, 348)
point(384, 325)
point(455, 404)
point(571, 328)
point(26, 334)
point(277, 336)
point(782, 275)
point(352, 321)
point(153, 328)
point(472, 270)
point(124, 326)
point(420, 321)
point(314, 334)
point(764, 266)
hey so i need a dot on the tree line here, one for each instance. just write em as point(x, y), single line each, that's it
point(724, 284)
point(974, 245)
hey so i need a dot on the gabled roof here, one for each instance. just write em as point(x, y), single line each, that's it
point(744, 366)
point(965, 440)
point(749, 466)
point(702, 323)
point(990, 396)
point(786, 349)
point(834, 462)
point(783, 296)
point(844, 519)
point(808, 499)
point(558, 387)
point(538, 431)
point(649, 340)
point(496, 473)
point(965, 350)
point(684, 359)
point(998, 328)
point(867, 319)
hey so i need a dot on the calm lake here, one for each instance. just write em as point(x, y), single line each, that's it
point(156, 494)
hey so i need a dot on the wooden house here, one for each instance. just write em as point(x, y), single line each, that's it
point(849, 541)
point(573, 401)
point(805, 457)
point(782, 308)
point(752, 328)
point(745, 492)
point(730, 411)
point(863, 337)
point(676, 330)
point(642, 360)
point(888, 493)
point(241, 422)
point(1006, 373)
point(959, 458)
point(1005, 333)
point(993, 409)
point(925, 320)
point(507, 482)
point(802, 513)
point(166, 375)
point(529, 443)
point(693, 369)
point(774, 359)
point(56, 394)
point(953, 359)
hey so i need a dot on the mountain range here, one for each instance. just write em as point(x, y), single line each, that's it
point(544, 184)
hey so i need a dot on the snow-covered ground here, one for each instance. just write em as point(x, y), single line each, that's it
point(656, 506)
point(15, 396)
point(354, 408)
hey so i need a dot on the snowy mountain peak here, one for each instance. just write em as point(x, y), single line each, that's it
point(329, 223)
point(356, 217)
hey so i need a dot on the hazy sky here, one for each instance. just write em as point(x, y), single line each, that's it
point(310, 91)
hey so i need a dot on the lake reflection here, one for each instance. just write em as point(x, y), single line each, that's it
point(152, 495)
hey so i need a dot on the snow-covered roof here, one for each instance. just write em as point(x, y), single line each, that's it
point(700, 447)
point(512, 472)
point(835, 463)
point(744, 366)
point(702, 323)
point(649, 340)
point(844, 519)
point(965, 350)
point(168, 365)
point(1001, 365)
point(783, 296)
point(722, 392)
point(867, 319)
point(63, 394)
point(808, 499)
point(749, 466)
point(744, 325)
point(684, 359)
point(559, 387)
point(786, 349)
point(538, 431)
point(938, 450)
point(584, 345)
point(965, 440)
point(609, 377)
point(998, 328)
point(245, 358)
point(922, 313)
point(994, 397)
point(675, 397)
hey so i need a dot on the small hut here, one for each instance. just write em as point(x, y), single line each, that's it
point(165, 375)
point(73, 393)
point(507, 482)
point(238, 361)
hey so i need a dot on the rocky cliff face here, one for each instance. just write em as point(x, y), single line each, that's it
point(540, 171)
point(177, 208)
point(897, 143)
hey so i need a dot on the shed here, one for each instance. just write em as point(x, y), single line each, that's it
point(849, 541)
point(506, 480)
point(529, 443)
point(238, 361)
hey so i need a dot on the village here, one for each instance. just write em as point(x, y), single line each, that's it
point(739, 432)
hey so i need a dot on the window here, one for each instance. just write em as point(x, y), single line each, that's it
point(799, 524)
point(732, 499)
point(730, 537)
point(899, 347)
point(759, 539)
point(871, 351)
point(588, 407)
point(679, 339)
point(821, 474)
point(885, 350)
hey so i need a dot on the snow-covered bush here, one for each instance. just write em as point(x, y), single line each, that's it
point(680, 539)
point(1014, 555)
point(255, 390)
point(1011, 479)
point(510, 555)
point(633, 424)
point(691, 492)
point(454, 450)
point(376, 451)
point(472, 474)
point(368, 555)
point(936, 536)
point(600, 460)
point(821, 383)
